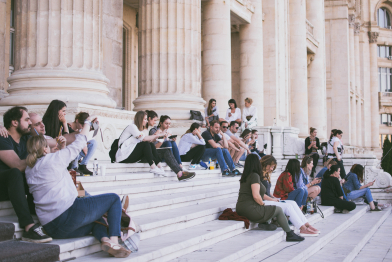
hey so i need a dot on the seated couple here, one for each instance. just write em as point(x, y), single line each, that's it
point(255, 204)
point(294, 183)
point(138, 143)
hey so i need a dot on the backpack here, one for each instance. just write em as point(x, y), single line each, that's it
point(114, 148)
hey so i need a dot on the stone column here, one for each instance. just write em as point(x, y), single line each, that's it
point(358, 89)
point(375, 117)
point(216, 60)
point(4, 44)
point(169, 57)
point(353, 116)
point(251, 62)
point(317, 79)
point(298, 67)
point(58, 54)
point(277, 142)
point(353, 134)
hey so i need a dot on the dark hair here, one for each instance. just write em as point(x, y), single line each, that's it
point(223, 122)
point(213, 122)
point(232, 101)
point(81, 117)
point(254, 131)
point(304, 164)
point(332, 170)
point(51, 118)
point(245, 133)
point(335, 132)
point(312, 129)
point(252, 165)
point(193, 127)
point(294, 168)
point(358, 170)
point(151, 114)
point(232, 123)
point(209, 108)
point(12, 114)
point(163, 119)
point(267, 161)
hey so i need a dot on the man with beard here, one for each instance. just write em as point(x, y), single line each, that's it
point(13, 186)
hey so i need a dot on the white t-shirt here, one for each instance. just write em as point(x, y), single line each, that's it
point(234, 116)
point(331, 153)
point(226, 136)
point(249, 111)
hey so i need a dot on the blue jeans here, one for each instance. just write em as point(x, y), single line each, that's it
point(223, 156)
point(78, 220)
point(91, 147)
point(359, 193)
point(299, 195)
point(174, 150)
point(243, 157)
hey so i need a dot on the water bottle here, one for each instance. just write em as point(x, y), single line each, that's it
point(209, 163)
point(95, 167)
point(308, 207)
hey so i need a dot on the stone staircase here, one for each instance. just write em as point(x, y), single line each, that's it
point(179, 221)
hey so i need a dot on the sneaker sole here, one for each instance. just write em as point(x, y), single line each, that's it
point(308, 235)
point(37, 240)
point(186, 179)
point(115, 253)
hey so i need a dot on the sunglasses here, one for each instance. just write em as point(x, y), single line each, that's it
point(224, 127)
point(236, 128)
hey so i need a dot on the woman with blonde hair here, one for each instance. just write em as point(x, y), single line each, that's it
point(302, 181)
point(59, 210)
point(249, 115)
point(211, 112)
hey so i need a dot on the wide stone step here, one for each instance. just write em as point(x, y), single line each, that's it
point(17, 251)
point(246, 245)
point(330, 228)
point(350, 242)
point(379, 247)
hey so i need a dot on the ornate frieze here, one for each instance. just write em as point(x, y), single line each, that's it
point(373, 37)
point(357, 28)
point(351, 20)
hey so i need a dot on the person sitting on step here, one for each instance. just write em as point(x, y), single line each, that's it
point(249, 115)
point(302, 181)
point(327, 165)
point(332, 193)
point(312, 144)
point(290, 208)
point(254, 144)
point(251, 204)
point(233, 113)
point(232, 133)
point(87, 153)
point(234, 148)
point(211, 112)
point(216, 151)
point(13, 187)
point(192, 147)
point(167, 147)
point(284, 188)
point(354, 189)
point(60, 211)
point(246, 138)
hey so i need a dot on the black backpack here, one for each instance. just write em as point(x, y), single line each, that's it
point(114, 148)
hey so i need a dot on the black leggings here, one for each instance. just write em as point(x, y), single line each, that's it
point(342, 171)
point(13, 187)
point(143, 150)
point(339, 204)
point(315, 157)
point(194, 155)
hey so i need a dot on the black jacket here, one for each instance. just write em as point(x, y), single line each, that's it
point(307, 144)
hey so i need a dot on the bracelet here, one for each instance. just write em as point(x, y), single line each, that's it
point(88, 122)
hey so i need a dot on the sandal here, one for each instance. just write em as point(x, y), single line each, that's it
point(115, 250)
point(376, 209)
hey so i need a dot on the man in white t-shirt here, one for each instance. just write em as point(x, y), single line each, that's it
point(236, 151)
point(232, 133)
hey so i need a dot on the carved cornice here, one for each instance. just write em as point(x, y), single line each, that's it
point(373, 37)
point(351, 20)
point(357, 28)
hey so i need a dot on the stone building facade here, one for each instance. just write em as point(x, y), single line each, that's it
point(305, 63)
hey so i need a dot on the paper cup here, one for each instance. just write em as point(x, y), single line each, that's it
point(103, 170)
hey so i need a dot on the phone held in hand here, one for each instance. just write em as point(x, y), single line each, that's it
point(173, 136)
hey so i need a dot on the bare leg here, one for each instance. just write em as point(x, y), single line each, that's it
point(313, 191)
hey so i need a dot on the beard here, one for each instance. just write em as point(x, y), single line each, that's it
point(22, 131)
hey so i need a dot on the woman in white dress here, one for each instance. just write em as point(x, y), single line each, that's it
point(233, 113)
point(249, 115)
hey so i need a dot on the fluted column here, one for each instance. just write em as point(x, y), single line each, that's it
point(353, 124)
point(216, 66)
point(58, 53)
point(317, 79)
point(298, 67)
point(251, 61)
point(169, 57)
point(353, 117)
point(375, 117)
point(358, 89)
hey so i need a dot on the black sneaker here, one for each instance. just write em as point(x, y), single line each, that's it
point(84, 170)
point(78, 172)
point(226, 173)
point(235, 172)
point(186, 176)
point(238, 165)
point(338, 211)
point(292, 237)
point(36, 235)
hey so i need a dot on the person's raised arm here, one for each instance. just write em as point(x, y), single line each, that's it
point(256, 194)
point(225, 144)
point(242, 144)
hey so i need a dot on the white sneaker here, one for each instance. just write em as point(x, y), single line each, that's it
point(196, 167)
point(156, 171)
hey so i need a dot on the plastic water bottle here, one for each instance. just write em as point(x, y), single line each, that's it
point(308, 207)
point(209, 163)
point(95, 167)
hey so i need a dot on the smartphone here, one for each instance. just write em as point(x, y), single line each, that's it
point(173, 136)
point(265, 146)
point(95, 126)
point(282, 201)
point(161, 137)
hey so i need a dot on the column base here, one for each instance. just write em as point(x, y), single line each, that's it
point(177, 106)
point(41, 86)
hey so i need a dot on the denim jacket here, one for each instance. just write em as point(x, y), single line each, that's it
point(352, 182)
point(302, 181)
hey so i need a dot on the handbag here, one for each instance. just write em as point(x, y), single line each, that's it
point(249, 118)
point(196, 115)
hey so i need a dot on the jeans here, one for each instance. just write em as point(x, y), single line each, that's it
point(243, 157)
point(91, 147)
point(13, 187)
point(299, 195)
point(78, 220)
point(223, 156)
point(359, 193)
point(174, 150)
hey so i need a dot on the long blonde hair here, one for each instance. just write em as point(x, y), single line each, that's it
point(265, 161)
point(35, 149)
